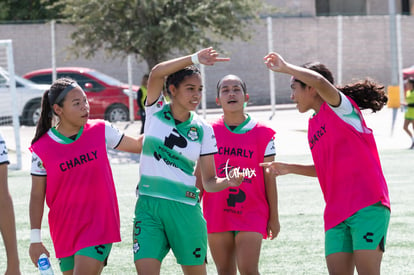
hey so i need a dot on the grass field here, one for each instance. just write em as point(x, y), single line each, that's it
point(299, 249)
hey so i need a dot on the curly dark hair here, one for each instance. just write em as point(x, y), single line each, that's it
point(366, 93)
point(177, 77)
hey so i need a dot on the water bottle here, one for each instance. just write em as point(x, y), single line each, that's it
point(44, 265)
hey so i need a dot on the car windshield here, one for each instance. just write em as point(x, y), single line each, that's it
point(106, 78)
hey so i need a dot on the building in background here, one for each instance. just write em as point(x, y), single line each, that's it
point(340, 7)
point(302, 30)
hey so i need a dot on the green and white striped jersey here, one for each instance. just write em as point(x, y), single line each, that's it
point(170, 153)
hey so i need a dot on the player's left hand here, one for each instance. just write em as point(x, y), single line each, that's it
point(273, 228)
point(209, 56)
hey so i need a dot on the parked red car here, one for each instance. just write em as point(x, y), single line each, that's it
point(108, 97)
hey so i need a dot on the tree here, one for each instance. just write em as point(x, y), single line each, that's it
point(23, 10)
point(153, 29)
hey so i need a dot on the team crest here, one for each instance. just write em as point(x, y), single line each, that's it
point(193, 134)
point(160, 103)
point(135, 247)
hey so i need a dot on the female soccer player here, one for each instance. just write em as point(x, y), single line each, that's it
point(239, 218)
point(409, 113)
point(346, 163)
point(168, 214)
point(7, 219)
point(71, 171)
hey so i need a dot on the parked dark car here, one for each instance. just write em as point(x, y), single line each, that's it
point(108, 97)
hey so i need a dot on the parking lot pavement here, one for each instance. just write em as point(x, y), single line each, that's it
point(289, 124)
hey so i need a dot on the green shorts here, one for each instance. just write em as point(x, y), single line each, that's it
point(98, 252)
point(409, 113)
point(366, 229)
point(161, 224)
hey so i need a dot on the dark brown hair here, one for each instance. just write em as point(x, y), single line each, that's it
point(366, 93)
point(48, 100)
point(177, 77)
point(242, 83)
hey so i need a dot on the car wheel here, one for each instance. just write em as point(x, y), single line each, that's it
point(32, 114)
point(117, 112)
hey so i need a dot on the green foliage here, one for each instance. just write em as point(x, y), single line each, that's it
point(23, 10)
point(152, 29)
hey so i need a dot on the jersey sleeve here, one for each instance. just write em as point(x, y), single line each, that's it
point(347, 112)
point(270, 148)
point(156, 106)
point(37, 168)
point(4, 155)
point(150, 110)
point(209, 143)
point(113, 135)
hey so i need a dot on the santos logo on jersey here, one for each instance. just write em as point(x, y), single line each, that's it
point(193, 134)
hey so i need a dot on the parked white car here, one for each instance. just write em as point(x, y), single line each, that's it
point(28, 99)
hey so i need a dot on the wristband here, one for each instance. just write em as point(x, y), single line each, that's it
point(35, 236)
point(194, 59)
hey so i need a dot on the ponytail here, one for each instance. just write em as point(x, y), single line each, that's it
point(367, 94)
point(45, 120)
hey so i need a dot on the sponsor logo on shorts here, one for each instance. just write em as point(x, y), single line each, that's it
point(135, 247)
point(99, 249)
point(196, 252)
point(367, 237)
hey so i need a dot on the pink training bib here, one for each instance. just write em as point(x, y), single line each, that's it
point(80, 191)
point(347, 165)
point(242, 208)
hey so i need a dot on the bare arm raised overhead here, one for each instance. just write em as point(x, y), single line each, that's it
point(207, 56)
point(324, 88)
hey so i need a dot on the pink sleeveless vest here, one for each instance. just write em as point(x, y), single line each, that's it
point(242, 208)
point(80, 191)
point(347, 165)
